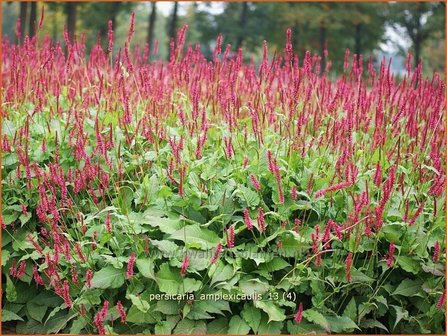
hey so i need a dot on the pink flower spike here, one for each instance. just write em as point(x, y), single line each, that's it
point(441, 301)
point(294, 193)
point(255, 182)
point(130, 265)
point(216, 253)
point(299, 313)
point(247, 219)
point(121, 311)
point(230, 236)
point(185, 264)
point(436, 252)
point(390, 258)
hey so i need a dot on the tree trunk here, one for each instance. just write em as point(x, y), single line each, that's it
point(114, 12)
point(417, 50)
point(32, 19)
point(358, 39)
point(23, 10)
point(173, 25)
point(322, 46)
point(242, 24)
point(151, 28)
point(417, 38)
point(70, 11)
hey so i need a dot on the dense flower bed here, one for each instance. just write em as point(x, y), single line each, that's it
point(197, 196)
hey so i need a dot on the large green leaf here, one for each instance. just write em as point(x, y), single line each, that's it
point(36, 311)
point(253, 287)
point(351, 310)
point(218, 327)
point(146, 267)
point(340, 324)
point(141, 304)
point(190, 327)
point(135, 315)
point(304, 327)
point(221, 273)
point(252, 316)
point(273, 311)
point(171, 282)
point(164, 224)
point(8, 315)
point(316, 317)
point(409, 264)
point(248, 196)
point(269, 328)
point(108, 277)
point(401, 313)
point(196, 236)
point(238, 326)
point(409, 288)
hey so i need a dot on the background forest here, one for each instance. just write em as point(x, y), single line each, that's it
point(371, 29)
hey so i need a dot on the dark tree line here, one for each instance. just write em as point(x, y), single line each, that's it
point(315, 26)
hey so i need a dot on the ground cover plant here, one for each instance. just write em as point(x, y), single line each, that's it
point(219, 196)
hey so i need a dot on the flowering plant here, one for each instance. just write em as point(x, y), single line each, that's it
point(298, 203)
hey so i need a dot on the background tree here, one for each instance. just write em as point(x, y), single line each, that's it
point(418, 20)
point(70, 12)
point(32, 19)
point(151, 27)
point(23, 12)
point(173, 23)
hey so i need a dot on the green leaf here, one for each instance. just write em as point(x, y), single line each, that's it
point(400, 314)
point(167, 307)
point(201, 237)
point(146, 267)
point(221, 273)
point(248, 196)
point(238, 326)
point(56, 324)
point(276, 264)
point(252, 287)
point(212, 307)
point(165, 225)
point(142, 305)
point(273, 311)
point(392, 232)
point(218, 327)
point(78, 325)
point(170, 281)
point(339, 324)
point(36, 311)
point(408, 288)
point(369, 323)
point(11, 294)
point(30, 327)
point(108, 277)
point(163, 328)
point(134, 315)
point(190, 327)
point(269, 328)
point(435, 269)
point(5, 257)
point(304, 327)
point(8, 315)
point(252, 316)
point(351, 310)
point(409, 264)
point(8, 128)
point(316, 317)
point(168, 248)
